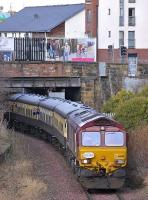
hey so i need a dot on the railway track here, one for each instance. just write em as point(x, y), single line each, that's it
point(94, 194)
point(90, 195)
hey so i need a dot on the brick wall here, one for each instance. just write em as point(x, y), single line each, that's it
point(105, 56)
point(59, 31)
point(91, 26)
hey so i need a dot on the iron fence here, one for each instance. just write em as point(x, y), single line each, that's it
point(31, 49)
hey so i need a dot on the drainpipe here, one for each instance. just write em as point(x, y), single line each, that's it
point(45, 47)
point(97, 27)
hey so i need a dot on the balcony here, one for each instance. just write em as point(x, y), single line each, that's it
point(121, 42)
point(131, 21)
point(132, 1)
point(121, 20)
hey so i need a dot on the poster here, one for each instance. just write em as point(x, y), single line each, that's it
point(6, 44)
point(75, 50)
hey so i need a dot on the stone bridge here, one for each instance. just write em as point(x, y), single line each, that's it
point(78, 76)
point(81, 81)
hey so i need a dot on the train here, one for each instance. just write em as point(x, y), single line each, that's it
point(95, 145)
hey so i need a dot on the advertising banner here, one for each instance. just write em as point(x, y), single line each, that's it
point(75, 50)
point(6, 44)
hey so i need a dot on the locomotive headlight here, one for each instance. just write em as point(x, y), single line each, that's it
point(88, 155)
point(86, 161)
point(120, 162)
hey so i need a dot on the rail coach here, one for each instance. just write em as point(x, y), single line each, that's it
point(95, 145)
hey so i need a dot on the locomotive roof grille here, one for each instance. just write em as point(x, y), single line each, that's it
point(46, 98)
point(82, 113)
point(75, 105)
point(86, 106)
point(89, 117)
point(92, 118)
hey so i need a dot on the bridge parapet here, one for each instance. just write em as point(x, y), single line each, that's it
point(46, 69)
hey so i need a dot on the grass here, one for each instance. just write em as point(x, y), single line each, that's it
point(18, 179)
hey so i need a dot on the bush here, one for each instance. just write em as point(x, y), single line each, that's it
point(121, 97)
point(133, 112)
point(144, 92)
point(130, 109)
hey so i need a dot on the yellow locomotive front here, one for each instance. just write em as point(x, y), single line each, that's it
point(102, 154)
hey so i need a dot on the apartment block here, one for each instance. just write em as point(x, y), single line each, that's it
point(120, 23)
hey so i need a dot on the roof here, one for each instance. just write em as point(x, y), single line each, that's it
point(27, 98)
point(40, 18)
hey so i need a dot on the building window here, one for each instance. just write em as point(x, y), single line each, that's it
point(109, 11)
point(131, 39)
point(121, 38)
point(88, 15)
point(121, 17)
point(109, 34)
point(131, 17)
point(132, 1)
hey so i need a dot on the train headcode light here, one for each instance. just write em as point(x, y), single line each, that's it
point(123, 51)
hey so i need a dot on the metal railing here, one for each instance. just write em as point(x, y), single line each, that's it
point(132, 1)
point(131, 43)
point(31, 49)
point(131, 21)
point(121, 42)
point(121, 20)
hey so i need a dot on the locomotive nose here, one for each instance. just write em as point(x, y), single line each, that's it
point(101, 158)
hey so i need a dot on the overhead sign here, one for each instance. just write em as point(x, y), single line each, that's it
point(6, 44)
point(76, 50)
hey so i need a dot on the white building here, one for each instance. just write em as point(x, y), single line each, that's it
point(123, 23)
point(75, 26)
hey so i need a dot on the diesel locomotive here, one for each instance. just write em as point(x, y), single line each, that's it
point(94, 144)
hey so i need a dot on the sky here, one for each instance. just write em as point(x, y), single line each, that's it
point(19, 4)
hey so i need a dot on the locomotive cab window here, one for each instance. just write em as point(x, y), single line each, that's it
point(114, 139)
point(91, 139)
